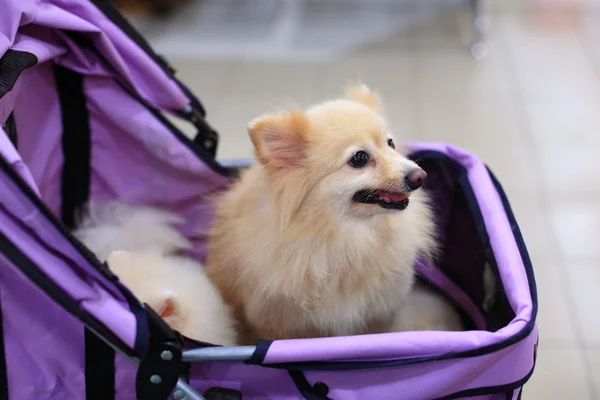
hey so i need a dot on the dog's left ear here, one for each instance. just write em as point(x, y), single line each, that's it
point(280, 140)
point(365, 96)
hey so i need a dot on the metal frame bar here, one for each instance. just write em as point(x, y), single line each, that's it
point(231, 353)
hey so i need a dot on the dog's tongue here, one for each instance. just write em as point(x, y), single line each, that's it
point(390, 197)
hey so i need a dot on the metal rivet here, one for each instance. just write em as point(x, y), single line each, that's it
point(178, 394)
point(208, 144)
point(156, 379)
point(166, 355)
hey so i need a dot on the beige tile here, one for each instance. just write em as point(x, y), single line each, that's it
point(401, 119)
point(534, 225)
point(593, 356)
point(576, 226)
point(555, 319)
point(571, 171)
point(390, 75)
point(237, 110)
point(206, 79)
point(278, 80)
point(454, 77)
point(564, 124)
point(550, 62)
point(559, 374)
point(490, 131)
point(584, 282)
point(445, 27)
point(566, 137)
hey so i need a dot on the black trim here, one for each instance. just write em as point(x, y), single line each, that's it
point(56, 293)
point(221, 393)
point(258, 357)
point(206, 137)
point(111, 12)
point(521, 335)
point(520, 244)
point(10, 127)
point(75, 183)
point(203, 154)
point(483, 391)
point(12, 64)
point(134, 304)
point(75, 191)
point(99, 368)
point(3, 370)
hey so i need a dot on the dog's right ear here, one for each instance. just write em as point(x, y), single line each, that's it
point(280, 139)
point(362, 94)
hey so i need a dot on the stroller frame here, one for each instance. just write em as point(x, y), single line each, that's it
point(71, 60)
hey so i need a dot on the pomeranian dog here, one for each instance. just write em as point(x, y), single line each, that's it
point(319, 237)
point(140, 245)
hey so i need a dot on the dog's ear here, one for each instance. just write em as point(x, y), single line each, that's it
point(168, 308)
point(280, 139)
point(362, 94)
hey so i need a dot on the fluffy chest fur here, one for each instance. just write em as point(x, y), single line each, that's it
point(320, 277)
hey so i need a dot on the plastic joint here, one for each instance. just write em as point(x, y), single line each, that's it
point(160, 367)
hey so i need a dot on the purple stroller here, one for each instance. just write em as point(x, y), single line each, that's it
point(82, 105)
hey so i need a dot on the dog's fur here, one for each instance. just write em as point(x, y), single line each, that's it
point(111, 225)
point(179, 291)
point(292, 252)
point(139, 243)
point(426, 310)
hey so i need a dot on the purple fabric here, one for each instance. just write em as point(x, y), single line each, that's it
point(28, 230)
point(415, 382)
point(18, 18)
point(136, 159)
point(510, 264)
point(128, 138)
point(12, 157)
point(450, 289)
point(40, 137)
point(43, 343)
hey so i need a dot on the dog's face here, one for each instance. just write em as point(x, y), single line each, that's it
point(337, 155)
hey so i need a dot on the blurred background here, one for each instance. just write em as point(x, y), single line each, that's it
point(525, 97)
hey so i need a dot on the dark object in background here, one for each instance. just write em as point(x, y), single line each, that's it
point(148, 7)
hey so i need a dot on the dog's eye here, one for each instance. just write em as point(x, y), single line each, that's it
point(359, 159)
point(391, 144)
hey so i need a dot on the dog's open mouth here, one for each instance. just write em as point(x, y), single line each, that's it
point(389, 200)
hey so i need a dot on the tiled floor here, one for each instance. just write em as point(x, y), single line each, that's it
point(531, 110)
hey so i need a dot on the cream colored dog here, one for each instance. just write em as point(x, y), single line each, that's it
point(139, 243)
point(320, 236)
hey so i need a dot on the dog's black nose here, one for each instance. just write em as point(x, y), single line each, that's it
point(414, 179)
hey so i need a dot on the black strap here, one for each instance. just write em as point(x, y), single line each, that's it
point(75, 191)
point(99, 368)
point(12, 64)
point(3, 373)
point(75, 185)
point(10, 127)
